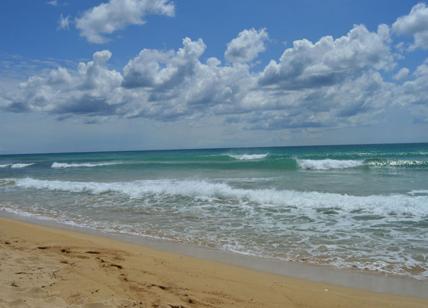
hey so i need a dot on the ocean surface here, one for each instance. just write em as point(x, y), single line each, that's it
point(362, 207)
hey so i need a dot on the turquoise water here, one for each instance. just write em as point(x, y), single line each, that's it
point(361, 207)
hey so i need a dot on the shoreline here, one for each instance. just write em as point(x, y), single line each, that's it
point(205, 273)
point(365, 280)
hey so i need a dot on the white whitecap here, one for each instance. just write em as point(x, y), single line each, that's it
point(326, 164)
point(398, 163)
point(57, 165)
point(4, 166)
point(20, 165)
point(418, 192)
point(248, 156)
point(375, 204)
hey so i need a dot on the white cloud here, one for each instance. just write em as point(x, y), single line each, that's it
point(414, 24)
point(330, 83)
point(53, 2)
point(89, 90)
point(329, 61)
point(64, 22)
point(171, 84)
point(402, 74)
point(159, 69)
point(107, 18)
point(246, 46)
point(413, 93)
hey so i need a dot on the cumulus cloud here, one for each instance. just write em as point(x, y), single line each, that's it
point(413, 93)
point(89, 90)
point(414, 24)
point(328, 61)
point(171, 84)
point(247, 46)
point(98, 22)
point(334, 82)
point(402, 74)
point(158, 69)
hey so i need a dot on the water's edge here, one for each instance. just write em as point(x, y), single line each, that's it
point(375, 282)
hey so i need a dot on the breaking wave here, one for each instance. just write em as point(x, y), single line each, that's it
point(398, 163)
point(377, 204)
point(326, 164)
point(248, 156)
point(20, 165)
point(56, 165)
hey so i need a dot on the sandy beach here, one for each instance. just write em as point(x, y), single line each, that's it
point(50, 267)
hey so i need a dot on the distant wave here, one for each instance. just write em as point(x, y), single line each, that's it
point(248, 156)
point(376, 204)
point(419, 192)
point(326, 164)
point(398, 163)
point(16, 165)
point(56, 165)
point(20, 165)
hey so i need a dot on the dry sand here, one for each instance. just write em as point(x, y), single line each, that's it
point(49, 267)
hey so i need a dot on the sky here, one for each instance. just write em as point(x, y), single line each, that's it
point(162, 74)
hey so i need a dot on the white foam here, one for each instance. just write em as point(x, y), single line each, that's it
point(326, 164)
point(248, 156)
point(418, 192)
point(399, 163)
point(373, 204)
point(20, 165)
point(4, 166)
point(56, 165)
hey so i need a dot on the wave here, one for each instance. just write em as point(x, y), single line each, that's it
point(377, 204)
point(398, 163)
point(4, 166)
point(419, 192)
point(20, 165)
point(56, 165)
point(326, 164)
point(248, 156)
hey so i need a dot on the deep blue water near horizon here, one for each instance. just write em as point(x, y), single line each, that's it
point(353, 206)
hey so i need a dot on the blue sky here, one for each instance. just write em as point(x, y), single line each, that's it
point(189, 74)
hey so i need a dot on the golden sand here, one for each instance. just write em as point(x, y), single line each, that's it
point(50, 267)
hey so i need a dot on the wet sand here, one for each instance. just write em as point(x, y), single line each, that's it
point(50, 267)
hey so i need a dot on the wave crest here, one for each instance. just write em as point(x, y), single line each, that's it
point(56, 165)
point(377, 204)
point(398, 163)
point(327, 164)
point(21, 165)
point(248, 156)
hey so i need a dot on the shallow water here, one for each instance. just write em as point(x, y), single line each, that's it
point(360, 207)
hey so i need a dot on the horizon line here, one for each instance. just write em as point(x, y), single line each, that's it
point(219, 148)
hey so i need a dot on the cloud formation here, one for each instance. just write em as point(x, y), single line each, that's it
point(98, 22)
point(61, 91)
point(402, 73)
point(328, 61)
point(333, 82)
point(247, 46)
point(163, 70)
point(414, 24)
point(413, 93)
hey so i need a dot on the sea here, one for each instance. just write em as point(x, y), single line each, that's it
point(358, 207)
